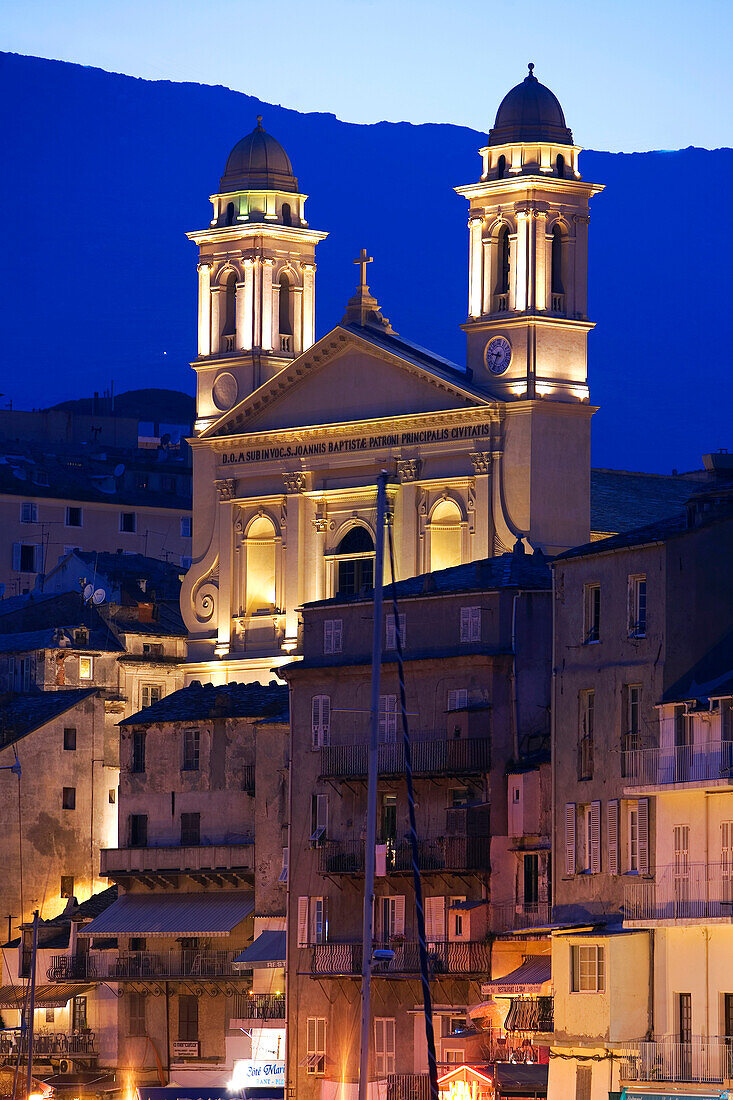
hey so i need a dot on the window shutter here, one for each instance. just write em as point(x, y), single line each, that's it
point(595, 838)
point(466, 624)
point(16, 557)
point(322, 811)
point(320, 721)
point(338, 630)
point(37, 559)
point(303, 921)
point(612, 830)
point(316, 722)
point(475, 632)
point(328, 636)
point(435, 919)
point(390, 642)
point(399, 915)
point(569, 838)
point(643, 807)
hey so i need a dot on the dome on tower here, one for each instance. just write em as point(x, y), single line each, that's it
point(530, 112)
point(258, 163)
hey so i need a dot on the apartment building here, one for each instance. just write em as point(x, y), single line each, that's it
point(641, 784)
point(201, 877)
point(477, 662)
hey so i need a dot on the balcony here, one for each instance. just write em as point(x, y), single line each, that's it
point(455, 959)
point(707, 763)
point(447, 853)
point(257, 1006)
point(226, 857)
point(557, 302)
point(699, 891)
point(530, 1014)
point(510, 916)
point(701, 1061)
point(430, 757)
point(139, 966)
point(50, 1044)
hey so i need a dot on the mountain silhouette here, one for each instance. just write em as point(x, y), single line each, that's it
point(103, 175)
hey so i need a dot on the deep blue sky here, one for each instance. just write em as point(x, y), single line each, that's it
point(639, 74)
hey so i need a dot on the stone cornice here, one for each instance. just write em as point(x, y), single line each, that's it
point(245, 231)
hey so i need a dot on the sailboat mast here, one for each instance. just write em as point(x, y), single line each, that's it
point(373, 768)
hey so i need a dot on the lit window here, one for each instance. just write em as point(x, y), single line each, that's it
point(592, 613)
point(85, 668)
point(446, 536)
point(588, 973)
point(260, 557)
point(67, 886)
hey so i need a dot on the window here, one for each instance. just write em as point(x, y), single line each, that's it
point(453, 1057)
point(504, 260)
point(354, 562)
point(286, 214)
point(390, 914)
point(188, 1018)
point(318, 925)
point(384, 1046)
point(556, 265)
point(591, 837)
point(190, 830)
point(230, 306)
point(138, 830)
point(637, 606)
point(612, 826)
point(68, 798)
point(388, 830)
point(319, 817)
point(260, 551)
point(73, 516)
point(285, 315)
point(632, 861)
point(387, 719)
point(128, 522)
point(185, 527)
point(50, 1015)
point(191, 742)
point(137, 747)
point(391, 633)
point(587, 965)
point(457, 699)
point(138, 943)
point(470, 624)
point(284, 871)
point(79, 1014)
point(459, 921)
point(135, 1013)
point(632, 723)
point(168, 483)
point(320, 721)
point(586, 706)
point(69, 739)
point(501, 167)
point(67, 886)
point(230, 214)
point(583, 1079)
point(29, 512)
point(446, 535)
point(112, 796)
point(316, 1045)
point(459, 797)
point(333, 631)
point(86, 666)
point(592, 614)
point(153, 649)
point(149, 694)
point(27, 557)
point(531, 876)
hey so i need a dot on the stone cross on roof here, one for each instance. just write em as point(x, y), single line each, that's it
point(362, 308)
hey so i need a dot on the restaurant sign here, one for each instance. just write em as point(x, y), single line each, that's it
point(248, 1072)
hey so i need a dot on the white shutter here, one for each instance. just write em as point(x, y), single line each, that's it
point(475, 624)
point(643, 807)
point(284, 872)
point(569, 838)
point(320, 721)
point(387, 718)
point(612, 832)
point(328, 636)
point(595, 838)
point(466, 624)
point(391, 633)
point(316, 721)
point(399, 915)
point(435, 919)
point(322, 811)
point(457, 698)
point(303, 921)
point(338, 631)
point(37, 559)
point(16, 557)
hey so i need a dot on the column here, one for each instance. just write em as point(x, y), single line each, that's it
point(481, 548)
point(226, 489)
point(293, 550)
point(244, 309)
point(266, 298)
point(215, 320)
point(474, 267)
point(257, 303)
point(541, 252)
point(489, 246)
point(520, 266)
point(309, 306)
point(204, 309)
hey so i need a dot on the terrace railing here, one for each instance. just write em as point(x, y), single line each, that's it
point(693, 891)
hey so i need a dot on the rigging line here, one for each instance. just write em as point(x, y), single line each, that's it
point(424, 964)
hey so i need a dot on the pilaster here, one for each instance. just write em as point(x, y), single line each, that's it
point(309, 305)
point(266, 298)
point(225, 488)
point(204, 318)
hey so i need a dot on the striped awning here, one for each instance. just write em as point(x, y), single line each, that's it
point(268, 950)
point(172, 915)
point(46, 996)
point(528, 978)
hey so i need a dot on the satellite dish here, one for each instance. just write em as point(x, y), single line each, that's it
point(88, 590)
point(99, 596)
point(119, 469)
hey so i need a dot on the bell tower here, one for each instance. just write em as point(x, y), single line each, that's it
point(256, 276)
point(528, 254)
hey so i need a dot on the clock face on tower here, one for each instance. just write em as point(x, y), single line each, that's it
point(498, 354)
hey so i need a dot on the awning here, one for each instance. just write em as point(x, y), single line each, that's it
point(172, 915)
point(47, 996)
point(527, 978)
point(268, 950)
point(520, 1080)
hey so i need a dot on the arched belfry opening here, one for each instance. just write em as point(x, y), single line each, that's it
point(560, 166)
point(230, 213)
point(230, 305)
point(501, 167)
point(285, 306)
point(556, 276)
point(503, 261)
point(286, 214)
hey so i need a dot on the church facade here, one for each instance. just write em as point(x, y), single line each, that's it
point(290, 440)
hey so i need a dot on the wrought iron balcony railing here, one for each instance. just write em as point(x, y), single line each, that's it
point(118, 966)
point(509, 916)
point(530, 1014)
point(448, 853)
point(50, 1043)
point(258, 1006)
point(679, 764)
point(339, 959)
point(237, 855)
point(692, 891)
point(433, 755)
point(701, 1060)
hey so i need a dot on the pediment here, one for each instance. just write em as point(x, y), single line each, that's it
point(347, 377)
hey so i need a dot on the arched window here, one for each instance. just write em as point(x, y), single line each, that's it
point(445, 536)
point(501, 167)
point(286, 317)
point(260, 566)
point(285, 214)
point(556, 261)
point(230, 213)
point(230, 305)
point(502, 281)
point(354, 562)
point(560, 165)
